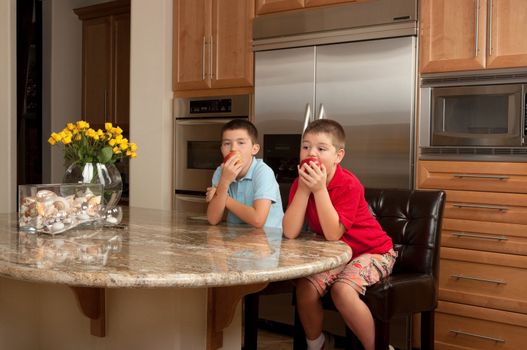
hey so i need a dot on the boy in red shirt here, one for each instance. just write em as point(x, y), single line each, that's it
point(332, 200)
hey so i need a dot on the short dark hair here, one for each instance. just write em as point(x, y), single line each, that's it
point(244, 124)
point(330, 127)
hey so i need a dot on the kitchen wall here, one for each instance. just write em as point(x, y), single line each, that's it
point(151, 104)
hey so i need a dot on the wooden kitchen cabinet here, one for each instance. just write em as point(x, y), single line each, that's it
point(268, 6)
point(212, 44)
point(460, 35)
point(106, 63)
point(483, 259)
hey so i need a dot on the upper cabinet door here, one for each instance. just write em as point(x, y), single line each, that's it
point(191, 43)
point(230, 45)
point(267, 6)
point(452, 35)
point(507, 39)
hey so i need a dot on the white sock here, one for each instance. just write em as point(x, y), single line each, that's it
point(316, 344)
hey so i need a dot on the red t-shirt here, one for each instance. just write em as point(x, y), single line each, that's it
point(363, 232)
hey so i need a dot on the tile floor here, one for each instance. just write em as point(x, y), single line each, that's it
point(273, 341)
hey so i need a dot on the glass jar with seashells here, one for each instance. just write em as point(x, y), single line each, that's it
point(55, 208)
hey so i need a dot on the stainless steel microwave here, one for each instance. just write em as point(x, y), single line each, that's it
point(473, 117)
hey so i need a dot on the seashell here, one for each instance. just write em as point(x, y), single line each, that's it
point(51, 211)
point(44, 195)
point(28, 201)
point(83, 216)
point(61, 203)
point(96, 200)
point(57, 226)
point(111, 220)
point(41, 209)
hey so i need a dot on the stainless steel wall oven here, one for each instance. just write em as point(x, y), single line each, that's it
point(474, 115)
point(198, 123)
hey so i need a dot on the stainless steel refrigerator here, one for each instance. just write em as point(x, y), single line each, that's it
point(367, 84)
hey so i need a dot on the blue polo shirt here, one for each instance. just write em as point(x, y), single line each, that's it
point(258, 183)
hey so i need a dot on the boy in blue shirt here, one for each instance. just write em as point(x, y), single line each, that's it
point(243, 186)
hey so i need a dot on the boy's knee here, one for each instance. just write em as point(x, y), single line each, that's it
point(343, 290)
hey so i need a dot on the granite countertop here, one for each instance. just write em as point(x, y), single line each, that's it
point(163, 249)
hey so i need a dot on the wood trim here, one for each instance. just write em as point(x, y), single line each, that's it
point(92, 302)
point(103, 9)
point(214, 92)
point(221, 305)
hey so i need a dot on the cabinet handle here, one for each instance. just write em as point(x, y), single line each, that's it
point(477, 28)
point(211, 57)
point(477, 176)
point(490, 27)
point(471, 235)
point(203, 58)
point(458, 332)
point(307, 116)
point(463, 277)
point(480, 206)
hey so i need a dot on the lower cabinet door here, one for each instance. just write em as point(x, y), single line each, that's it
point(464, 327)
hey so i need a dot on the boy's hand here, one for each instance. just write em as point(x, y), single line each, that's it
point(211, 191)
point(230, 170)
point(313, 177)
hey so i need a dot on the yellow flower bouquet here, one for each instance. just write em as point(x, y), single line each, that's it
point(83, 144)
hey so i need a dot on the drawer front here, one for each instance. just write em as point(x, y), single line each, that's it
point(490, 207)
point(485, 236)
point(473, 176)
point(477, 328)
point(484, 279)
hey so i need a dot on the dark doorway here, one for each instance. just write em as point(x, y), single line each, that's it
point(29, 91)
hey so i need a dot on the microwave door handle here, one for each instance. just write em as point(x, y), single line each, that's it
point(321, 112)
point(202, 121)
point(307, 116)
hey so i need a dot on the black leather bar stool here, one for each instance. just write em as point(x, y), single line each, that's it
point(413, 219)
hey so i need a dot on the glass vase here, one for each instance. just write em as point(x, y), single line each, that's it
point(105, 174)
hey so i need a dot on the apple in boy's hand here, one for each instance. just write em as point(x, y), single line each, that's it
point(308, 160)
point(232, 154)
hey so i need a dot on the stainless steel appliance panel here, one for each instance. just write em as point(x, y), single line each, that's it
point(369, 88)
point(196, 174)
point(285, 84)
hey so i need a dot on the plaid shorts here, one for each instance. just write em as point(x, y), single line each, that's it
point(359, 273)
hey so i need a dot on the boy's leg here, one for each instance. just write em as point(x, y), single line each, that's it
point(355, 313)
point(309, 308)
point(361, 272)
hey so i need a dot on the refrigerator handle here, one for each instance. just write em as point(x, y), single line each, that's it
point(321, 112)
point(307, 117)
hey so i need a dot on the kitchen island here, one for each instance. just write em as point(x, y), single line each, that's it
point(163, 280)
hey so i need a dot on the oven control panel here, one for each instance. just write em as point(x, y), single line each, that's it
point(211, 106)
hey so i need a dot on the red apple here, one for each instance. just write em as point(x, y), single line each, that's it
point(232, 154)
point(308, 160)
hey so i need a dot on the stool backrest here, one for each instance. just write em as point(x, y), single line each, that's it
point(412, 218)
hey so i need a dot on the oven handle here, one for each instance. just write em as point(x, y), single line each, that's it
point(219, 121)
point(189, 198)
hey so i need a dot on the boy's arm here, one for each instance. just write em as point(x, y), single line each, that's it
point(216, 207)
point(255, 215)
point(296, 211)
point(328, 216)
point(315, 179)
